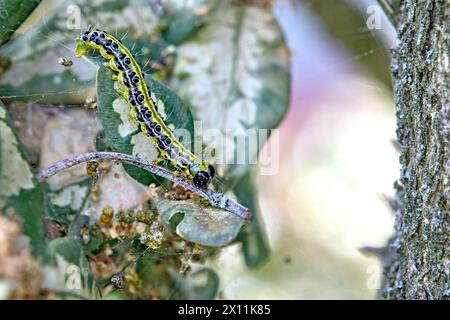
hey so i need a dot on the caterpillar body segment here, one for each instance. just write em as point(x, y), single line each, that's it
point(143, 109)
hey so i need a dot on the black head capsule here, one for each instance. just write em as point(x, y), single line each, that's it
point(203, 178)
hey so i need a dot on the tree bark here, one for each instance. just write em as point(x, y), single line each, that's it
point(418, 264)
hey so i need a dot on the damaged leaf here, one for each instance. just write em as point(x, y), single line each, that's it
point(203, 225)
point(122, 134)
point(20, 192)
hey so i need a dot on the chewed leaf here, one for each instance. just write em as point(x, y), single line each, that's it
point(35, 74)
point(122, 133)
point(20, 192)
point(235, 74)
point(203, 225)
point(65, 203)
point(13, 14)
point(68, 270)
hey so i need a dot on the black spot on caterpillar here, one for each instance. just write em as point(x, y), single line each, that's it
point(143, 108)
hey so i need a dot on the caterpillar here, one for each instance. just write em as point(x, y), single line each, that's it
point(143, 108)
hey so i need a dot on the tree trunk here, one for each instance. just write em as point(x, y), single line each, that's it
point(418, 265)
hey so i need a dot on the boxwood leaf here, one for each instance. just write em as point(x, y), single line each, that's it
point(122, 134)
point(64, 204)
point(34, 73)
point(67, 269)
point(13, 13)
point(20, 192)
point(203, 225)
point(184, 18)
point(235, 73)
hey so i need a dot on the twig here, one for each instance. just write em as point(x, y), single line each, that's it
point(216, 199)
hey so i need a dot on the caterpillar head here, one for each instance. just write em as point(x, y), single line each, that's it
point(203, 177)
point(89, 38)
point(82, 42)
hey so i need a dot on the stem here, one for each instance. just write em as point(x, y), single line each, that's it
point(216, 199)
point(417, 265)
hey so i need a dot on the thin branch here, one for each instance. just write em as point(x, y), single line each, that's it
point(216, 199)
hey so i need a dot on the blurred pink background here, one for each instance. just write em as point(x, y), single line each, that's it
point(337, 161)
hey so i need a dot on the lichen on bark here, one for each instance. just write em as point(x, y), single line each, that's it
point(418, 264)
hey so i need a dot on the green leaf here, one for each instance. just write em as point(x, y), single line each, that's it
point(34, 73)
point(184, 18)
point(13, 13)
point(122, 135)
point(64, 204)
point(235, 74)
point(20, 192)
point(203, 225)
point(67, 269)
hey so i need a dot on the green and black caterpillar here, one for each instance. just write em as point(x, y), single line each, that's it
point(143, 108)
